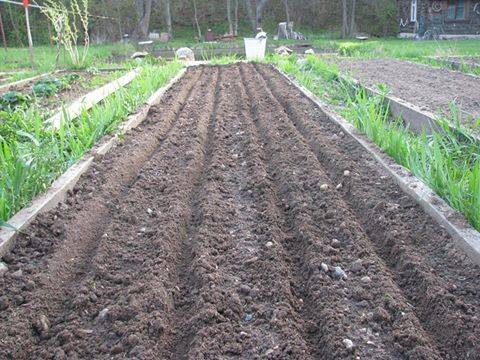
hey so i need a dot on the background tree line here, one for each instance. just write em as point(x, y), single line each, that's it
point(191, 18)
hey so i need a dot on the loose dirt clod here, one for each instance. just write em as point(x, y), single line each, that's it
point(238, 261)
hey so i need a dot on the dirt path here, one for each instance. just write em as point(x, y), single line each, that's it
point(432, 89)
point(217, 230)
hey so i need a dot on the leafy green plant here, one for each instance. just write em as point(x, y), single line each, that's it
point(13, 99)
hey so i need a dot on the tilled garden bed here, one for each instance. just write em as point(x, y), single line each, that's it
point(432, 89)
point(237, 222)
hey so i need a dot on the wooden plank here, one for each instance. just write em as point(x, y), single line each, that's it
point(89, 100)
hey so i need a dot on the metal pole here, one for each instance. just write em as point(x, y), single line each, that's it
point(30, 42)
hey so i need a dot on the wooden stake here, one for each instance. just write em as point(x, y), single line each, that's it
point(30, 42)
point(3, 33)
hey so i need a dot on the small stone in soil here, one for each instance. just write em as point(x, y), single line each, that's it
point(3, 268)
point(245, 289)
point(346, 173)
point(17, 274)
point(269, 244)
point(338, 273)
point(339, 186)
point(248, 317)
point(3, 303)
point(324, 267)
point(324, 187)
point(357, 265)
point(348, 344)
point(42, 325)
point(336, 243)
point(103, 314)
point(366, 279)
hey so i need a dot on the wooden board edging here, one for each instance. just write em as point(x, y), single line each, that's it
point(466, 238)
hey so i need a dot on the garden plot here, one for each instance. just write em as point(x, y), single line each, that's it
point(471, 63)
point(238, 221)
point(54, 90)
point(431, 89)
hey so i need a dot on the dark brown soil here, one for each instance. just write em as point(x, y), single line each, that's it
point(432, 89)
point(209, 233)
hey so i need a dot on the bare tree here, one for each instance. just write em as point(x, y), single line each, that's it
point(351, 31)
point(260, 6)
point(168, 16)
point(251, 16)
point(287, 12)
point(195, 14)
point(344, 18)
point(229, 16)
point(235, 18)
point(144, 10)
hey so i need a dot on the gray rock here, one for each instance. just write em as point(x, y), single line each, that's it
point(338, 273)
point(3, 268)
point(357, 266)
point(103, 314)
point(17, 274)
point(324, 267)
point(348, 344)
point(366, 279)
point(245, 289)
point(336, 243)
point(248, 317)
point(185, 54)
point(42, 325)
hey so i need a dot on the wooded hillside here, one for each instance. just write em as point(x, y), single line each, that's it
point(112, 18)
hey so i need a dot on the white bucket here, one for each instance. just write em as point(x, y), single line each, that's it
point(255, 48)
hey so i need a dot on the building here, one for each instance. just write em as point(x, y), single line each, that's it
point(443, 19)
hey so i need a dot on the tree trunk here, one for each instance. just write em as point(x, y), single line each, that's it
point(168, 17)
point(229, 17)
point(144, 10)
point(14, 27)
point(195, 14)
point(260, 6)
point(344, 19)
point(287, 12)
point(351, 31)
point(251, 16)
point(4, 40)
point(235, 19)
point(119, 20)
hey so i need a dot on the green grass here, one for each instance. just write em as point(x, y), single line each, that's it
point(32, 156)
point(99, 56)
point(449, 162)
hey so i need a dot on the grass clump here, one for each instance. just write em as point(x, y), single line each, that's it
point(448, 161)
point(32, 155)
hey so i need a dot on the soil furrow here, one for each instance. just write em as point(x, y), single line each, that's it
point(433, 275)
point(237, 222)
point(232, 313)
point(186, 281)
point(49, 272)
point(327, 233)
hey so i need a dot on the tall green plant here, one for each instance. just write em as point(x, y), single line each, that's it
point(65, 21)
